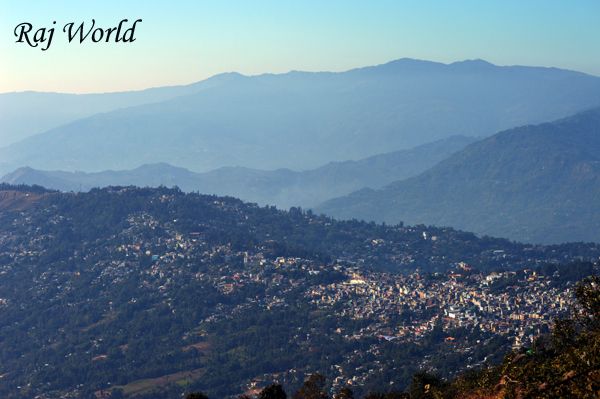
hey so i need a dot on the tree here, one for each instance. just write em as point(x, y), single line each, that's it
point(389, 395)
point(567, 364)
point(345, 393)
point(588, 297)
point(273, 391)
point(117, 394)
point(374, 395)
point(426, 386)
point(313, 388)
point(196, 395)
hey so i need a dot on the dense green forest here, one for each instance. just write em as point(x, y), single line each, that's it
point(154, 293)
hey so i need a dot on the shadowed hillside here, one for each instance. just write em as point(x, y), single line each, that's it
point(536, 183)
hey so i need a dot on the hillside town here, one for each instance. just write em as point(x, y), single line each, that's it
point(204, 283)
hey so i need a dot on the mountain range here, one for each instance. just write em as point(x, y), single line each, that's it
point(283, 187)
point(52, 110)
point(296, 120)
point(108, 290)
point(536, 183)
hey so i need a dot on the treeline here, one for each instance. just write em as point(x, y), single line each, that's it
point(563, 364)
point(24, 188)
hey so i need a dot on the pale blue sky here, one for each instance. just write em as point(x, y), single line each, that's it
point(181, 42)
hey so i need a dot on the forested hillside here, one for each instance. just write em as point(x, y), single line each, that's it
point(153, 290)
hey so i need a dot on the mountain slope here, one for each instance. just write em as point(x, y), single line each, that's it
point(534, 183)
point(52, 110)
point(302, 120)
point(124, 286)
point(283, 188)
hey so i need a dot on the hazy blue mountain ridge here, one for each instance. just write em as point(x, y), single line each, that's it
point(282, 187)
point(536, 183)
point(301, 120)
point(51, 110)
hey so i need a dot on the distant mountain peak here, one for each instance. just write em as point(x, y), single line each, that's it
point(477, 63)
point(23, 171)
point(412, 61)
point(402, 64)
point(418, 65)
point(225, 77)
point(296, 120)
point(159, 166)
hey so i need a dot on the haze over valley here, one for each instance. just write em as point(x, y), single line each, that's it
point(297, 120)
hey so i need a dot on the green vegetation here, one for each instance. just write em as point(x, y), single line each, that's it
point(154, 293)
point(565, 364)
